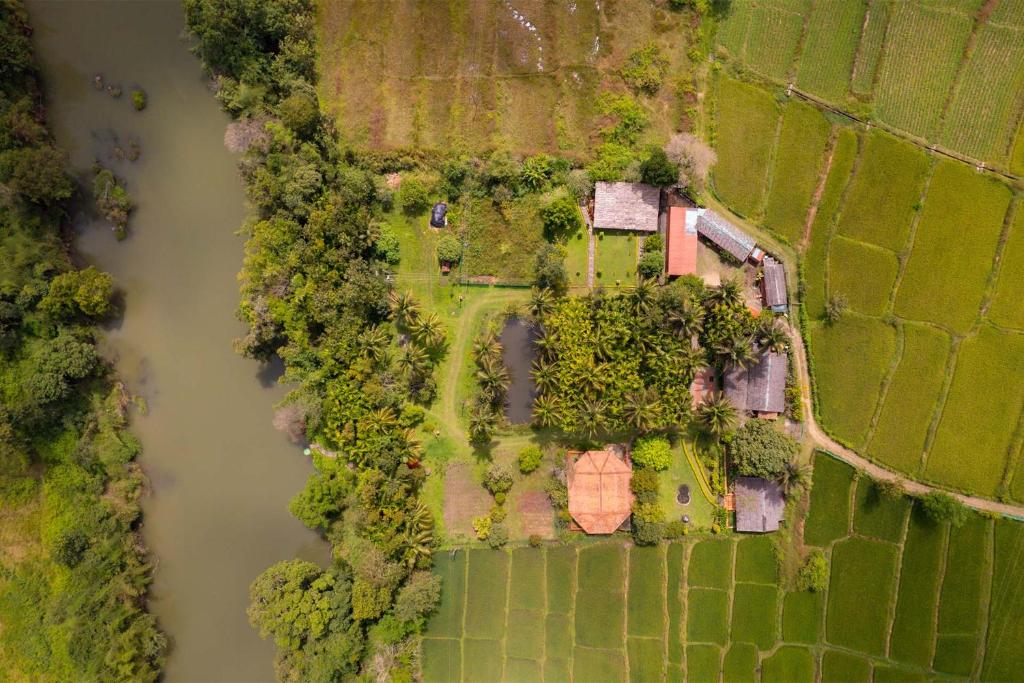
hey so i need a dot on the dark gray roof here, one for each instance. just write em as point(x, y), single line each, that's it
point(626, 206)
point(725, 235)
point(759, 505)
point(774, 283)
point(761, 387)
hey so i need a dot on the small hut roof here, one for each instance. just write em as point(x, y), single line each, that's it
point(681, 241)
point(766, 389)
point(626, 206)
point(599, 496)
point(774, 283)
point(725, 235)
point(759, 505)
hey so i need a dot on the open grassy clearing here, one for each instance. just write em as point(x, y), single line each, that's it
point(746, 119)
point(885, 191)
point(799, 159)
point(826, 61)
point(899, 436)
point(957, 197)
point(862, 273)
point(976, 423)
point(851, 358)
point(615, 258)
point(923, 48)
point(1005, 308)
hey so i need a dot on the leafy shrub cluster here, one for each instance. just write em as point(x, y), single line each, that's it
point(72, 599)
point(492, 381)
point(111, 199)
point(758, 449)
point(644, 70)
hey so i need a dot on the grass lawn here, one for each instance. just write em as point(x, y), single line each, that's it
point(886, 187)
point(789, 664)
point(487, 575)
point(876, 516)
point(961, 203)
point(798, 162)
point(711, 564)
point(740, 663)
point(851, 358)
point(899, 436)
point(755, 560)
point(978, 421)
point(913, 631)
point(863, 273)
point(680, 473)
point(1006, 309)
point(860, 594)
point(826, 60)
point(615, 256)
point(577, 259)
point(645, 615)
point(842, 666)
point(746, 118)
point(600, 600)
point(801, 617)
point(829, 516)
point(755, 610)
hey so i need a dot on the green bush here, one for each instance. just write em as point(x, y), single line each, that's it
point(498, 536)
point(813, 575)
point(647, 533)
point(561, 215)
point(549, 269)
point(139, 99)
point(652, 451)
point(941, 507)
point(414, 194)
point(654, 242)
point(497, 479)
point(627, 115)
point(500, 498)
point(387, 246)
point(651, 264)
point(759, 450)
point(644, 70)
point(300, 112)
point(87, 292)
point(448, 249)
point(536, 541)
point(529, 459)
point(657, 170)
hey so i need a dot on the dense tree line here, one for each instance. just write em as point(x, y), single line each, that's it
point(73, 573)
point(314, 292)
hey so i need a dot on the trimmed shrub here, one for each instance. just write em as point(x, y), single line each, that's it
point(942, 507)
point(497, 479)
point(529, 459)
point(813, 575)
point(651, 264)
point(652, 451)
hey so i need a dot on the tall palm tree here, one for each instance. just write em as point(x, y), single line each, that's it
point(546, 411)
point(481, 424)
point(593, 417)
point(717, 415)
point(730, 293)
point(375, 341)
point(414, 361)
point(541, 302)
point(493, 375)
point(643, 296)
point(688, 319)
point(642, 409)
point(693, 360)
point(771, 336)
point(543, 374)
point(795, 477)
point(428, 329)
point(487, 346)
point(403, 307)
point(737, 350)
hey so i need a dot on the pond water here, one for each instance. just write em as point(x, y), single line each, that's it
point(221, 475)
point(517, 337)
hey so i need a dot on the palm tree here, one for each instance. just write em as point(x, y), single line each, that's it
point(414, 360)
point(481, 424)
point(688, 319)
point(382, 419)
point(772, 337)
point(642, 409)
point(643, 297)
point(546, 412)
point(717, 415)
point(693, 360)
point(593, 416)
point(730, 293)
point(541, 302)
point(375, 341)
point(795, 477)
point(403, 307)
point(737, 350)
point(487, 346)
point(493, 377)
point(428, 329)
point(543, 374)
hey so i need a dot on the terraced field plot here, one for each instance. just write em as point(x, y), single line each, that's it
point(710, 607)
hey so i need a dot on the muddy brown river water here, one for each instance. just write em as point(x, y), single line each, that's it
point(221, 475)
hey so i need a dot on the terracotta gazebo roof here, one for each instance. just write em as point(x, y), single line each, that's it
point(599, 496)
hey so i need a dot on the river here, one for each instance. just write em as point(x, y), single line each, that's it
point(221, 475)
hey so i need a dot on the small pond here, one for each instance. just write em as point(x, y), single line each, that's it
point(517, 338)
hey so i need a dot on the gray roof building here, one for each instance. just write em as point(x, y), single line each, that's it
point(725, 235)
point(626, 206)
point(774, 285)
point(760, 505)
point(761, 388)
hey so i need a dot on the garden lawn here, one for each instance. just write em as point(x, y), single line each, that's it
point(1006, 309)
point(707, 616)
point(577, 258)
point(913, 631)
point(964, 212)
point(711, 564)
point(615, 259)
point(789, 664)
point(876, 516)
point(1006, 628)
point(886, 187)
point(740, 664)
point(899, 436)
point(645, 613)
point(755, 560)
point(680, 473)
point(447, 619)
point(746, 121)
point(755, 611)
point(978, 421)
point(600, 602)
point(703, 663)
point(801, 617)
point(828, 518)
point(851, 358)
point(842, 667)
point(862, 273)
point(486, 587)
point(799, 159)
point(826, 60)
point(860, 594)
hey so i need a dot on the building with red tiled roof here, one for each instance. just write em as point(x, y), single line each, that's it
point(598, 482)
point(681, 242)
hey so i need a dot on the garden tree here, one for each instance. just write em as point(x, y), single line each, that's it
point(836, 308)
point(652, 451)
point(642, 410)
point(414, 194)
point(770, 335)
point(693, 157)
point(651, 264)
point(323, 500)
point(448, 249)
point(387, 246)
point(560, 215)
point(813, 575)
point(87, 292)
point(941, 507)
point(795, 477)
point(36, 173)
point(717, 415)
point(760, 450)
point(546, 412)
point(549, 270)
point(645, 69)
point(657, 169)
point(418, 597)
point(541, 302)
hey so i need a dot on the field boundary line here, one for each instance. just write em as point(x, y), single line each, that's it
point(883, 394)
point(819, 190)
point(986, 601)
point(833, 228)
point(980, 18)
point(898, 578)
point(940, 402)
point(860, 45)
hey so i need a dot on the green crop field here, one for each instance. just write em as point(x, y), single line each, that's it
point(862, 273)
point(885, 189)
point(646, 595)
point(600, 598)
point(957, 197)
point(801, 618)
point(1006, 309)
point(860, 594)
point(841, 666)
point(710, 564)
point(829, 516)
point(764, 35)
point(740, 664)
point(913, 631)
point(755, 561)
point(798, 163)
point(851, 358)
point(899, 436)
point(789, 664)
point(755, 610)
point(1006, 628)
point(923, 47)
point(746, 118)
point(833, 33)
point(966, 571)
point(876, 516)
point(703, 663)
point(869, 51)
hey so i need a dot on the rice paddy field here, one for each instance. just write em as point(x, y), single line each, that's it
point(908, 600)
point(949, 73)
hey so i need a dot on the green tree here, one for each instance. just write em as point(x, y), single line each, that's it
point(418, 597)
point(760, 450)
point(295, 602)
point(300, 112)
point(549, 269)
point(87, 292)
point(941, 507)
point(36, 173)
point(813, 575)
point(652, 451)
point(717, 415)
point(651, 264)
point(645, 69)
point(529, 458)
point(414, 194)
point(657, 170)
point(560, 215)
point(448, 249)
point(323, 500)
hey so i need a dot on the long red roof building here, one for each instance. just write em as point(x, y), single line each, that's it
point(681, 241)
